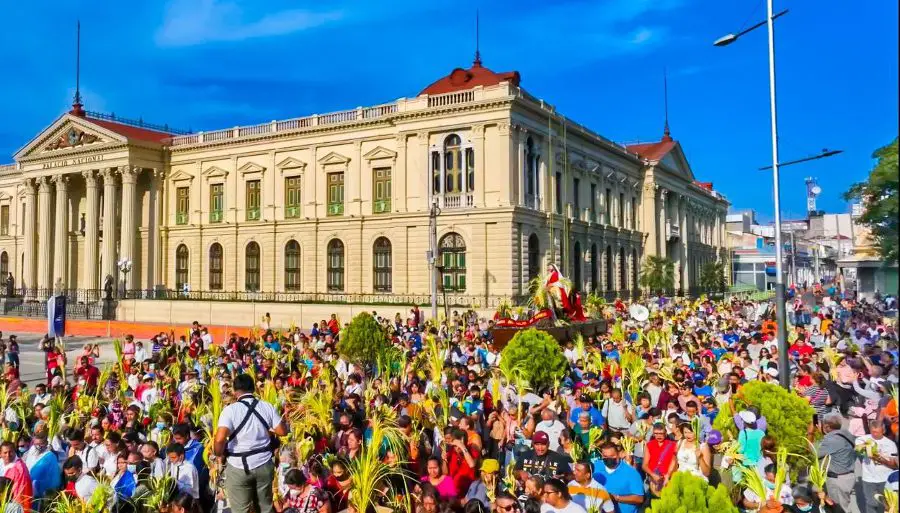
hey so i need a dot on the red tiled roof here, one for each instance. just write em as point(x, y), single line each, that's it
point(652, 151)
point(462, 79)
point(132, 132)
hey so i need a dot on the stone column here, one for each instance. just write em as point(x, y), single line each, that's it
point(45, 246)
point(109, 227)
point(353, 180)
point(129, 224)
point(661, 224)
point(28, 271)
point(153, 264)
point(61, 231)
point(480, 164)
point(685, 249)
point(91, 232)
point(399, 178)
point(521, 168)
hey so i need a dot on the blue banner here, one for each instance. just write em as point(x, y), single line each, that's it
point(56, 316)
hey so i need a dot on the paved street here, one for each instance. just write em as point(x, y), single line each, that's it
point(32, 367)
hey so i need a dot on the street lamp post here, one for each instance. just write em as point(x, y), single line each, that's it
point(125, 265)
point(432, 256)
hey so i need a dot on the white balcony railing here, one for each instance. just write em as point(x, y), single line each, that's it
point(451, 201)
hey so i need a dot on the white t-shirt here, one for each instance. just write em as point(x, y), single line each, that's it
point(253, 435)
point(85, 486)
point(873, 472)
point(553, 428)
point(592, 497)
point(571, 507)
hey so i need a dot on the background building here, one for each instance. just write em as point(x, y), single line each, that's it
point(335, 207)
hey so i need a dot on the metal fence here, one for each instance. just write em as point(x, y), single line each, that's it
point(100, 304)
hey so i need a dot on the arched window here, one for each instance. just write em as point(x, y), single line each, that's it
point(435, 172)
point(4, 266)
point(577, 258)
point(215, 266)
point(452, 250)
point(182, 261)
point(595, 268)
point(335, 267)
point(453, 165)
point(610, 285)
point(623, 273)
point(534, 257)
point(251, 267)
point(381, 257)
point(292, 265)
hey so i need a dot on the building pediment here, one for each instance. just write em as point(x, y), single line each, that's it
point(251, 167)
point(291, 163)
point(380, 152)
point(68, 133)
point(181, 176)
point(4, 196)
point(676, 162)
point(333, 158)
point(215, 172)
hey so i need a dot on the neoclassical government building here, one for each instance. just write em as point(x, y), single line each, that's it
point(337, 205)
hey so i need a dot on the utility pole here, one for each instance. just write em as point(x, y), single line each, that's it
point(432, 254)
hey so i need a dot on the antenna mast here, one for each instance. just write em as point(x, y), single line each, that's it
point(76, 103)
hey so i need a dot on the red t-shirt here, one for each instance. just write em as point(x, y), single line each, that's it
point(659, 455)
point(90, 375)
point(463, 475)
point(804, 350)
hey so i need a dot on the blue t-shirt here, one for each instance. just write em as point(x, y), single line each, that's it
point(625, 480)
point(596, 416)
point(704, 391)
point(719, 351)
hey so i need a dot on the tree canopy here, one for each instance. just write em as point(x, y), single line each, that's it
point(658, 274)
point(712, 276)
point(878, 195)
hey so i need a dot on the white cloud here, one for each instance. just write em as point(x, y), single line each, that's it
point(193, 22)
point(642, 35)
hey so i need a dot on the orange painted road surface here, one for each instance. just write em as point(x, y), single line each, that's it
point(114, 329)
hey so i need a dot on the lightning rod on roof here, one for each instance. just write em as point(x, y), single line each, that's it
point(477, 61)
point(76, 103)
point(666, 134)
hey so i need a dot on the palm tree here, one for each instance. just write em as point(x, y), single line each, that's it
point(658, 274)
point(712, 276)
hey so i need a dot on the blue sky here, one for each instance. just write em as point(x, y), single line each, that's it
point(206, 64)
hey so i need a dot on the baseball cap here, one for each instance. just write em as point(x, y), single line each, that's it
point(541, 438)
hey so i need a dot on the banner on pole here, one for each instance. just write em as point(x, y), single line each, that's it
point(56, 316)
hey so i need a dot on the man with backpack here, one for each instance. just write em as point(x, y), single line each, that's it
point(245, 439)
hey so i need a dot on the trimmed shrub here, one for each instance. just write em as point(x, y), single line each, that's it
point(538, 356)
point(686, 493)
point(364, 341)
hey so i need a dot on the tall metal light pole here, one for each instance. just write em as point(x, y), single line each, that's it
point(784, 375)
point(432, 255)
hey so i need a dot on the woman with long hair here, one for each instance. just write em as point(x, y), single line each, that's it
point(693, 456)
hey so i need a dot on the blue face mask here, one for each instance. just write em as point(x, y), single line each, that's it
point(160, 425)
point(808, 507)
point(770, 485)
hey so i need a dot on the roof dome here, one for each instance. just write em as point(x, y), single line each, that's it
point(461, 79)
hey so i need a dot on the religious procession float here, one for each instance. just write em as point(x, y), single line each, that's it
point(554, 307)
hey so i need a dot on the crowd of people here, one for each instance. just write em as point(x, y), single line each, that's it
point(282, 421)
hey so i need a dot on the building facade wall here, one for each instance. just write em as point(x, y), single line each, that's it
point(595, 209)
